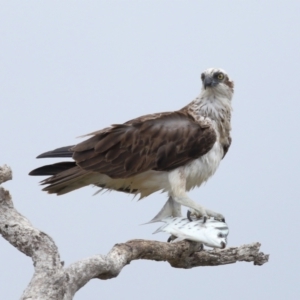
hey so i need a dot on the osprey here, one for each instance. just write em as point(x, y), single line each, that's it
point(171, 152)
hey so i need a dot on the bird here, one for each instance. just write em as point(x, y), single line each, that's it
point(172, 152)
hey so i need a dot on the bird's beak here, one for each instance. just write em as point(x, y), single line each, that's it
point(208, 81)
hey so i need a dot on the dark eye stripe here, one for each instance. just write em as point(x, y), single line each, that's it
point(217, 74)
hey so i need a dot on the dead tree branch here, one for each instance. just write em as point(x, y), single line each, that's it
point(52, 281)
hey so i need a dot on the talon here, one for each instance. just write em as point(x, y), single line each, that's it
point(189, 215)
point(171, 238)
point(204, 219)
point(201, 248)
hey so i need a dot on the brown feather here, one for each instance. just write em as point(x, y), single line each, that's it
point(108, 141)
point(159, 142)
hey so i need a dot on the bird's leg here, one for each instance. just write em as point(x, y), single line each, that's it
point(196, 209)
point(177, 181)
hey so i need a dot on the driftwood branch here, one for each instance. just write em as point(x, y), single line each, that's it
point(51, 280)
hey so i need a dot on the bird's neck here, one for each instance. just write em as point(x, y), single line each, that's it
point(215, 106)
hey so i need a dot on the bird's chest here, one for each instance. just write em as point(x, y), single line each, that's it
point(201, 169)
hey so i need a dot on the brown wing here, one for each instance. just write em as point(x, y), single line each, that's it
point(159, 142)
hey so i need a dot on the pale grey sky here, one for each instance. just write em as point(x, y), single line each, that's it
point(71, 67)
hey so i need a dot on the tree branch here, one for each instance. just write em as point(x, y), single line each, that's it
point(52, 281)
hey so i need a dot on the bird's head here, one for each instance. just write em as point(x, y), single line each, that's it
point(216, 80)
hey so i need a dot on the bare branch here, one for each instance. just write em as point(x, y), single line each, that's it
point(19, 232)
point(5, 173)
point(52, 281)
point(180, 255)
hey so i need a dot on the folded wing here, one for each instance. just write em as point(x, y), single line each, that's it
point(160, 142)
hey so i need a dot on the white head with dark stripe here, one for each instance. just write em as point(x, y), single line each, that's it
point(216, 81)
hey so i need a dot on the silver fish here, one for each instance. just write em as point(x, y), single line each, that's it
point(212, 233)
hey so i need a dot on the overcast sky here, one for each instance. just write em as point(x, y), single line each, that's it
point(72, 67)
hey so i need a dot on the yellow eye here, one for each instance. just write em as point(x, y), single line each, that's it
point(220, 76)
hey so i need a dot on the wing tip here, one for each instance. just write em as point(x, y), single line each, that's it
point(59, 152)
point(44, 155)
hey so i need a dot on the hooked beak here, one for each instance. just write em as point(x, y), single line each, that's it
point(208, 81)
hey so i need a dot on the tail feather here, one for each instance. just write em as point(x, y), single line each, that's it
point(52, 169)
point(69, 180)
point(59, 152)
point(65, 176)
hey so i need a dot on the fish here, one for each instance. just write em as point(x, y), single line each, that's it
point(212, 233)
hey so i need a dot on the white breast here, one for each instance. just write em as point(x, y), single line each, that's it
point(201, 169)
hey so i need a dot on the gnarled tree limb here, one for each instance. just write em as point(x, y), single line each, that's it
point(52, 281)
